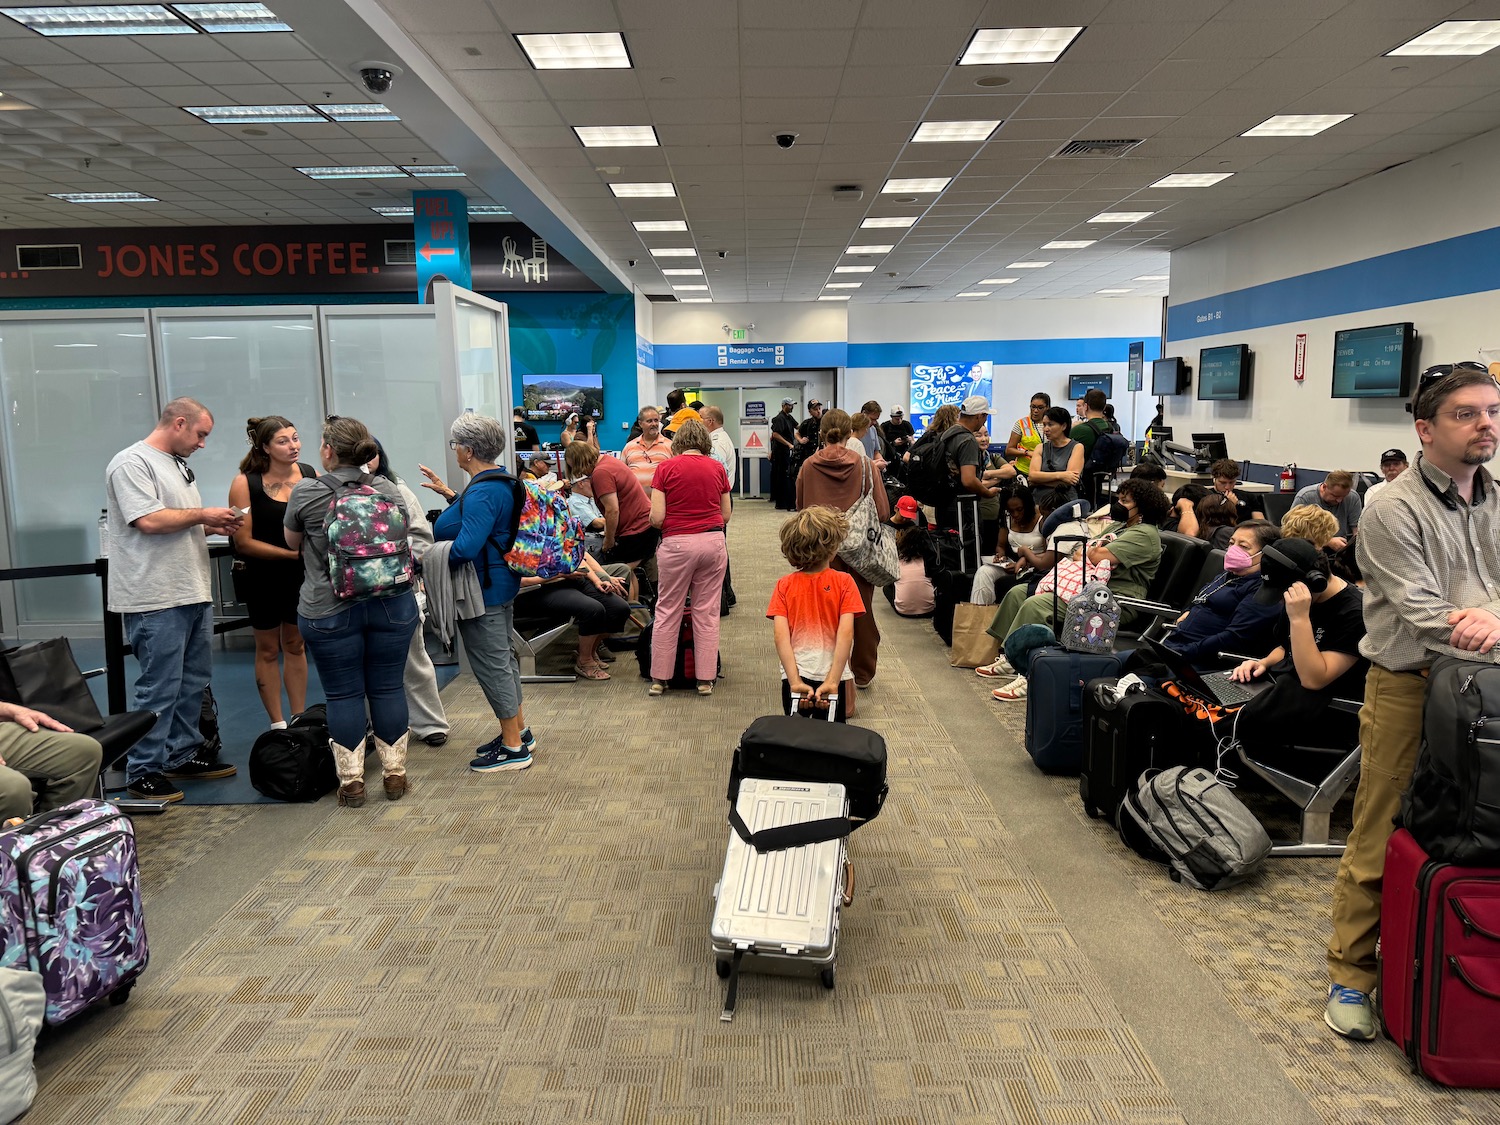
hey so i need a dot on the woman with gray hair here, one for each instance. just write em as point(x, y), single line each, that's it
point(482, 520)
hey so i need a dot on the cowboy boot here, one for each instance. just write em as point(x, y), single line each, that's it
point(350, 765)
point(393, 765)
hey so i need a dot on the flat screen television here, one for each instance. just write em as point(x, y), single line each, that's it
point(1080, 385)
point(551, 398)
point(1211, 447)
point(1168, 376)
point(1224, 373)
point(1374, 362)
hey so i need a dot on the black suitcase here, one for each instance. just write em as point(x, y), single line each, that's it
point(684, 668)
point(790, 748)
point(1122, 740)
point(951, 587)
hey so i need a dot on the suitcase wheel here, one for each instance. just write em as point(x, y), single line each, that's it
point(722, 968)
point(120, 995)
point(1092, 810)
point(828, 976)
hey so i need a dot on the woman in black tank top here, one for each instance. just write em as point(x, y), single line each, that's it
point(268, 575)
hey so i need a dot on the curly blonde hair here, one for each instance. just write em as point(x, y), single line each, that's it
point(1309, 522)
point(814, 535)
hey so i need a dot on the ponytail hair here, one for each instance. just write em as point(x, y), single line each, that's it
point(350, 441)
point(261, 431)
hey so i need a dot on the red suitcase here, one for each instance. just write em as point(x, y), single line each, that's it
point(1440, 965)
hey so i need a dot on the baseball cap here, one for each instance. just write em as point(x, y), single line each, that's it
point(812, 402)
point(897, 410)
point(1282, 565)
point(788, 402)
point(974, 404)
point(907, 506)
point(1392, 455)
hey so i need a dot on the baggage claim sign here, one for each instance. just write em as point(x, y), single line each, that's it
point(237, 260)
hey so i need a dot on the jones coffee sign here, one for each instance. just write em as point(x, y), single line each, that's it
point(170, 261)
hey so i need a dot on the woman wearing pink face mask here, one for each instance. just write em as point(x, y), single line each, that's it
point(1225, 616)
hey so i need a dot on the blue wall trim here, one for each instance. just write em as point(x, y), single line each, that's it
point(1453, 267)
point(1072, 352)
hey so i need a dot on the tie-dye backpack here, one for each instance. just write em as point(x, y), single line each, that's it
point(548, 542)
point(369, 555)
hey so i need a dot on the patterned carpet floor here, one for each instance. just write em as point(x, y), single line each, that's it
point(533, 947)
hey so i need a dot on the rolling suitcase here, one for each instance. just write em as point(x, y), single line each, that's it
point(789, 748)
point(1123, 739)
point(778, 911)
point(1439, 958)
point(1054, 705)
point(70, 905)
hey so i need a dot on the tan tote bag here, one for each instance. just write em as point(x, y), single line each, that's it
point(972, 646)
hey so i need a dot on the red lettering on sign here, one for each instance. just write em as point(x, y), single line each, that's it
point(209, 253)
point(161, 262)
point(239, 259)
point(140, 261)
point(336, 257)
point(357, 258)
point(442, 230)
point(293, 256)
point(109, 260)
point(314, 256)
point(268, 259)
point(185, 266)
point(432, 205)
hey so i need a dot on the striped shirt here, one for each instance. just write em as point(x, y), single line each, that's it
point(1424, 557)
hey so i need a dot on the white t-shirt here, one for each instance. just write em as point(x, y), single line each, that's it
point(152, 572)
point(723, 452)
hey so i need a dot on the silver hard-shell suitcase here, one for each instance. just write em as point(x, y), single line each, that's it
point(778, 911)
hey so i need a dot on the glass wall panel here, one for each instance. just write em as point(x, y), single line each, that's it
point(76, 392)
point(479, 359)
point(242, 365)
point(383, 370)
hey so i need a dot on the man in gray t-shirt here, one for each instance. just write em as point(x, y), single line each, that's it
point(159, 583)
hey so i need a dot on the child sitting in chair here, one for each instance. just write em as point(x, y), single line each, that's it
point(813, 609)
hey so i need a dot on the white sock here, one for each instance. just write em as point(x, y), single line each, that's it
point(281, 725)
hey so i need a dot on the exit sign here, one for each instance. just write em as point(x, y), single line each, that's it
point(739, 335)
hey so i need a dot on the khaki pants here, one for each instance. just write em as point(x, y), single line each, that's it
point(60, 766)
point(1390, 734)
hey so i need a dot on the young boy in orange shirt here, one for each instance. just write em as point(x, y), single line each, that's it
point(813, 609)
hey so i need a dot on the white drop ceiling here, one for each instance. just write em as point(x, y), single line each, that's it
point(717, 80)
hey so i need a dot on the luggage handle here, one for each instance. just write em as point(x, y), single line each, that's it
point(786, 836)
point(833, 704)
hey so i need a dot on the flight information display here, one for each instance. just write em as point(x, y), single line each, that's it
point(1373, 362)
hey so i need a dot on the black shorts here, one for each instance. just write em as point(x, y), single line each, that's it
point(269, 593)
point(633, 548)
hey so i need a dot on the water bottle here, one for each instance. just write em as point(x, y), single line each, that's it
point(104, 533)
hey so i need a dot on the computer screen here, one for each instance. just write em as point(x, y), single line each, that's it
point(1374, 362)
point(1168, 376)
point(1224, 373)
point(1211, 447)
point(1163, 432)
point(1080, 385)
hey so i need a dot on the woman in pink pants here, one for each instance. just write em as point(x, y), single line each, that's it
point(690, 503)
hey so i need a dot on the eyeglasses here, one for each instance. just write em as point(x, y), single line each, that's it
point(1467, 415)
point(182, 466)
point(454, 444)
point(1441, 371)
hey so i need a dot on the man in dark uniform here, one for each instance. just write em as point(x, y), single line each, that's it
point(783, 442)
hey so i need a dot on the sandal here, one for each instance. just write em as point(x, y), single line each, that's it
point(591, 671)
point(657, 688)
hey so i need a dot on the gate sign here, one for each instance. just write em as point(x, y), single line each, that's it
point(441, 222)
point(755, 437)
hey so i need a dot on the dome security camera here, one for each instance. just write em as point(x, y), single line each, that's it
point(377, 77)
point(631, 261)
point(786, 140)
point(723, 253)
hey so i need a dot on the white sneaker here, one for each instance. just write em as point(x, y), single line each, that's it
point(1011, 692)
point(1001, 667)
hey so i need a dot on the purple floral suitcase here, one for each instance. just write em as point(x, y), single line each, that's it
point(70, 905)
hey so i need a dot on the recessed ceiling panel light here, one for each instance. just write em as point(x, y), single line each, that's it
point(433, 171)
point(1192, 179)
point(869, 250)
point(695, 300)
point(1113, 292)
point(1069, 244)
point(1152, 277)
point(593, 50)
point(691, 288)
point(834, 297)
point(1296, 124)
point(853, 269)
point(1027, 265)
point(112, 19)
point(650, 225)
point(221, 19)
point(888, 221)
point(937, 132)
point(257, 114)
point(993, 46)
point(976, 293)
point(1454, 37)
point(682, 273)
point(358, 111)
point(930, 184)
point(356, 172)
point(843, 285)
point(75, 345)
point(1121, 216)
point(103, 197)
point(674, 252)
point(643, 191)
point(393, 212)
point(488, 209)
point(617, 136)
point(999, 281)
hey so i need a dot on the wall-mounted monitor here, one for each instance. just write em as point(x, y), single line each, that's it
point(1168, 376)
point(551, 398)
point(1374, 362)
point(1224, 373)
point(1080, 385)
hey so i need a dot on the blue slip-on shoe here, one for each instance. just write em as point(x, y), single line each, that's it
point(503, 758)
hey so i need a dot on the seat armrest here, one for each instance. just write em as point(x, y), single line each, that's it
point(1155, 609)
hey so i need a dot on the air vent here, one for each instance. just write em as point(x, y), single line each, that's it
point(49, 257)
point(1096, 148)
point(905, 288)
point(661, 298)
point(401, 253)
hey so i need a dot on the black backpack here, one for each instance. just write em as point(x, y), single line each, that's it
point(1450, 806)
point(295, 764)
point(1108, 451)
point(928, 476)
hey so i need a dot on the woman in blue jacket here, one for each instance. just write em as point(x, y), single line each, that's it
point(479, 526)
point(1225, 617)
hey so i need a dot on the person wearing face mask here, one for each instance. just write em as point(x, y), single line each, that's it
point(1224, 616)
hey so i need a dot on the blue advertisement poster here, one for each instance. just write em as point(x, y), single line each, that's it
point(933, 384)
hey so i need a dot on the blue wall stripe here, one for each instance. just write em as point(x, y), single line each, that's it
point(1073, 352)
point(1453, 267)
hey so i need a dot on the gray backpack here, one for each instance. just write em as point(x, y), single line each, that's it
point(1187, 818)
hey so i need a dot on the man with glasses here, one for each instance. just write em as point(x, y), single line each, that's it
point(1430, 553)
point(159, 582)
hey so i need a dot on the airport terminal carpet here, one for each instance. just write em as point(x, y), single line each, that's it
point(533, 947)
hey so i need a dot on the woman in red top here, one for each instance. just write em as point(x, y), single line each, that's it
point(690, 503)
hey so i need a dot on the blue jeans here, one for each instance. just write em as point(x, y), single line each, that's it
point(360, 652)
point(173, 649)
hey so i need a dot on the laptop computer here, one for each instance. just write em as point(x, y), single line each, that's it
point(1213, 687)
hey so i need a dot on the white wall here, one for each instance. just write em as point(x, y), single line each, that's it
point(804, 323)
point(645, 377)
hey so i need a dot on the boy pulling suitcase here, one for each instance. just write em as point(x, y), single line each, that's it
point(813, 609)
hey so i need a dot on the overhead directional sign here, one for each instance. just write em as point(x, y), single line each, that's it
point(440, 220)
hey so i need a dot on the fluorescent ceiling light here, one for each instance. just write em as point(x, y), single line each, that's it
point(931, 183)
point(869, 250)
point(1027, 265)
point(75, 345)
point(393, 212)
point(834, 297)
point(936, 132)
point(1454, 37)
point(682, 273)
point(1000, 281)
point(617, 136)
point(1121, 216)
point(103, 197)
point(474, 209)
point(213, 337)
point(293, 327)
point(223, 18)
point(112, 19)
point(643, 191)
point(1151, 277)
point(976, 293)
point(648, 225)
point(993, 46)
point(1111, 292)
point(691, 288)
point(592, 50)
point(674, 252)
point(1296, 124)
point(1192, 179)
point(853, 269)
point(1069, 244)
point(132, 335)
point(889, 221)
point(358, 111)
point(695, 300)
point(843, 285)
point(488, 209)
point(356, 172)
point(433, 171)
point(257, 114)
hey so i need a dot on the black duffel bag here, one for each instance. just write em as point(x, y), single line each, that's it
point(792, 748)
point(295, 764)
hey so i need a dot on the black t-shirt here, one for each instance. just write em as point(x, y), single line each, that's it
point(899, 434)
point(785, 425)
point(1338, 625)
point(527, 440)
